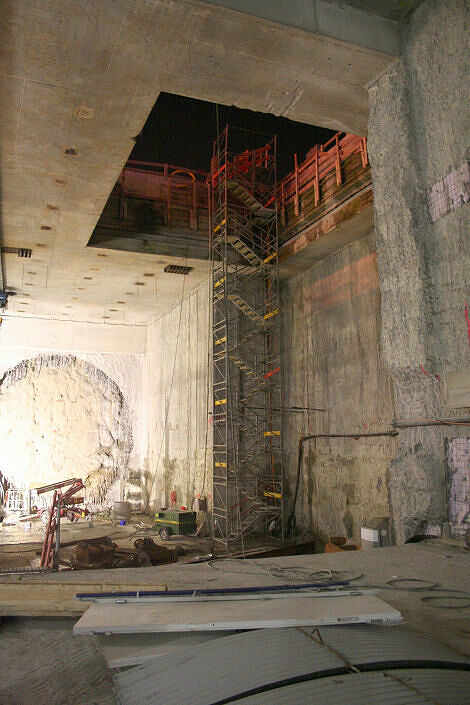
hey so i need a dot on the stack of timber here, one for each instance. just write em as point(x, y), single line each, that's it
point(53, 594)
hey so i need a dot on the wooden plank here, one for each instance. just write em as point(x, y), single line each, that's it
point(249, 614)
point(41, 599)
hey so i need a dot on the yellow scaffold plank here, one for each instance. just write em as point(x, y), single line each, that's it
point(219, 282)
point(270, 314)
point(271, 433)
point(268, 259)
point(276, 495)
point(217, 227)
point(220, 465)
point(219, 402)
point(219, 341)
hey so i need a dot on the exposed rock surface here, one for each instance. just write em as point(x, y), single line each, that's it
point(61, 417)
point(419, 126)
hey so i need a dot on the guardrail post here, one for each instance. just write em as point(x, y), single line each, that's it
point(364, 155)
point(316, 182)
point(296, 197)
point(193, 211)
point(338, 162)
point(283, 205)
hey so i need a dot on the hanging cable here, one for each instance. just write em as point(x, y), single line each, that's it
point(167, 411)
point(208, 384)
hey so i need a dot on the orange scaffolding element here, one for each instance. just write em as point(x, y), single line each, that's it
point(321, 160)
point(179, 188)
point(172, 186)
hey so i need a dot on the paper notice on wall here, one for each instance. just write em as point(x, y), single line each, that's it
point(450, 192)
point(369, 534)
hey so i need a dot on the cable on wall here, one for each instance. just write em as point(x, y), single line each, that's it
point(167, 411)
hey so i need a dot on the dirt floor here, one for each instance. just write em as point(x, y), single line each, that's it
point(20, 544)
point(41, 663)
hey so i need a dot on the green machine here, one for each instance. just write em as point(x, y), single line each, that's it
point(175, 521)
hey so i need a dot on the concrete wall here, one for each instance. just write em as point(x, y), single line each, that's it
point(419, 127)
point(175, 384)
point(332, 360)
point(71, 401)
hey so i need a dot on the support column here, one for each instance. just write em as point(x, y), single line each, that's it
point(413, 142)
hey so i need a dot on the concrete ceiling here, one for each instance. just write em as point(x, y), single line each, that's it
point(392, 9)
point(83, 76)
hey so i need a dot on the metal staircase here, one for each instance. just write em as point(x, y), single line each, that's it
point(247, 452)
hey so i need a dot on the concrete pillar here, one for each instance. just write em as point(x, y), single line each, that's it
point(418, 132)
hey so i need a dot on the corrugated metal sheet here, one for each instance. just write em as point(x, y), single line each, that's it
point(360, 644)
point(224, 668)
point(399, 687)
point(237, 664)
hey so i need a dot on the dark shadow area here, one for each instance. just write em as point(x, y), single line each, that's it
point(182, 130)
point(159, 204)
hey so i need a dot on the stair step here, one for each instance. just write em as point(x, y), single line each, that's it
point(246, 308)
point(245, 367)
point(244, 250)
point(249, 200)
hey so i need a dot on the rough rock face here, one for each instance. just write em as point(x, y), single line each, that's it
point(419, 125)
point(61, 417)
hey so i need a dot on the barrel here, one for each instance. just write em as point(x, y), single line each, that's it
point(121, 511)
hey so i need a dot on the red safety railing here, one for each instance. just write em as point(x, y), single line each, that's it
point(322, 159)
point(242, 167)
point(177, 187)
point(172, 186)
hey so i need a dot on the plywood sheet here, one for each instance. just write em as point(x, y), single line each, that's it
point(249, 614)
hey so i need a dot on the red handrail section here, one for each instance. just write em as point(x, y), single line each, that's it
point(321, 160)
point(243, 164)
point(181, 188)
point(175, 187)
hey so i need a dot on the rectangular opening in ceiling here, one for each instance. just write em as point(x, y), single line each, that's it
point(159, 204)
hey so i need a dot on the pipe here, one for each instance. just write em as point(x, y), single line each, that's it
point(405, 423)
point(287, 409)
point(212, 591)
point(302, 441)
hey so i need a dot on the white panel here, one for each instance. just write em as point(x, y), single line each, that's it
point(249, 614)
point(458, 389)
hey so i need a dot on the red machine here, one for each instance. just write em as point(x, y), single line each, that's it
point(63, 504)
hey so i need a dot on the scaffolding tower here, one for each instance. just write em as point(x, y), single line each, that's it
point(247, 476)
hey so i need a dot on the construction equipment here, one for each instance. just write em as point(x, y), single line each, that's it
point(63, 503)
point(101, 552)
point(175, 521)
